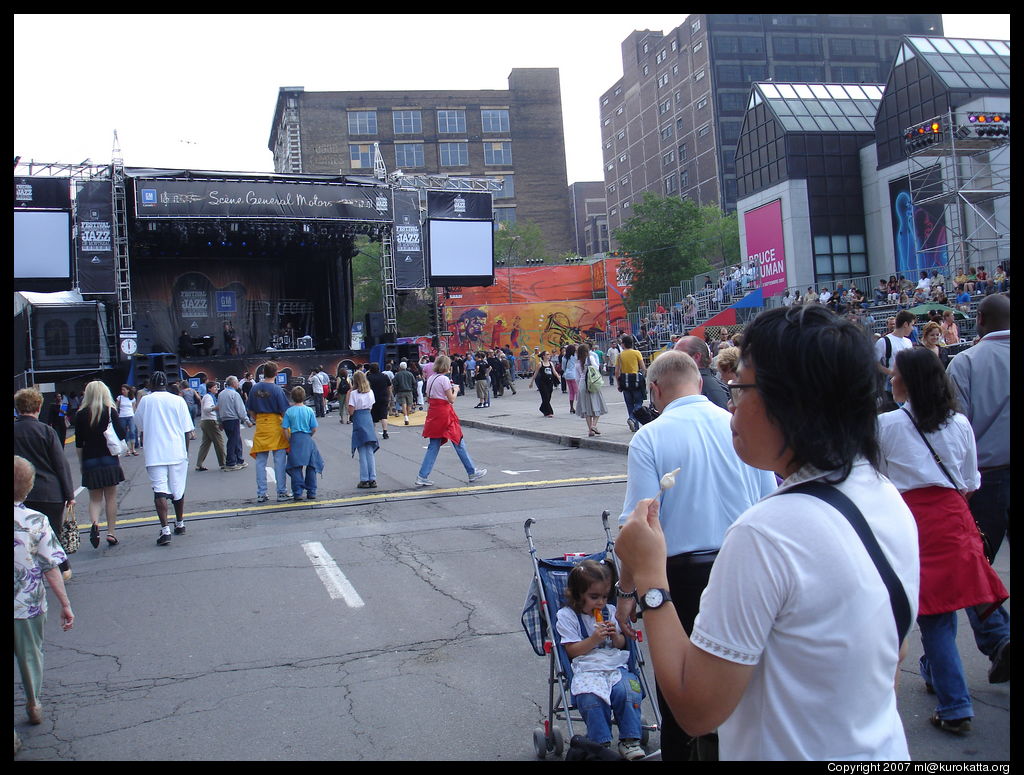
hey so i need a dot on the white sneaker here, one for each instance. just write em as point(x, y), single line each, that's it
point(631, 750)
point(421, 482)
point(480, 473)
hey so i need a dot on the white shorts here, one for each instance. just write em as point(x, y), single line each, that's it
point(169, 479)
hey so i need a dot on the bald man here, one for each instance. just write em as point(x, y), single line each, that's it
point(713, 487)
point(712, 388)
point(982, 378)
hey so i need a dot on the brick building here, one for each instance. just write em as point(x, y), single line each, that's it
point(515, 134)
point(671, 123)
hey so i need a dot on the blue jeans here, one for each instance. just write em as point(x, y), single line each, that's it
point(941, 666)
point(367, 464)
point(280, 471)
point(300, 481)
point(597, 714)
point(233, 431)
point(431, 456)
point(634, 399)
point(128, 426)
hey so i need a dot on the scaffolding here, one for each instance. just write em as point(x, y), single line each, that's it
point(969, 177)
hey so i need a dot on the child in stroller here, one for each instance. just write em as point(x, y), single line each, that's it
point(601, 681)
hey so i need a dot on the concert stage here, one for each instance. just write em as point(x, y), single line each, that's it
point(294, 363)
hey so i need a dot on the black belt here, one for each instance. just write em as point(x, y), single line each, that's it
point(690, 559)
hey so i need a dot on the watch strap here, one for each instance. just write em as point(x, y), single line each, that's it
point(642, 606)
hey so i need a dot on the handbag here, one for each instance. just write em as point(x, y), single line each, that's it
point(69, 537)
point(986, 545)
point(594, 381)
point(116, 446)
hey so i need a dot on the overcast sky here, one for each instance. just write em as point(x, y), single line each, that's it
point(199, 91)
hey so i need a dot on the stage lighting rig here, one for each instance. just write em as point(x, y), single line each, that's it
point(990, 124)
point(923, 135)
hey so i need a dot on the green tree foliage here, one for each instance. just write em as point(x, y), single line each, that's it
point(515, 243)
point(412, 308)
point(670, 240)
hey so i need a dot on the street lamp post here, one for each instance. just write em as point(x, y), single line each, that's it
point(508, 265)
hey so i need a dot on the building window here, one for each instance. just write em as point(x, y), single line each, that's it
point(504, 215)
point(684, 178)
point(663, 80)
point(645, 70)
point(451, 122)
point(55, 338)
point(87, 337)
point(362, 122)
point(702, 103)
point(682, 152)
point(666, 132)
point(660, 57)
point(698, 46)
point(453, 154)
point(695, 27)
point(508, 188)
point(664, 107)
point(703, 130)
point(360, 157)
point(668, 158)
point(839, 256)
point(498, 154)
point(670, 185)
point(698, 75)
point(494, 120)
point(408, 122)
point(409, 154)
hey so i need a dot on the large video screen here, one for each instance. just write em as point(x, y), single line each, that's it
point(42, 244)
point(461, 252)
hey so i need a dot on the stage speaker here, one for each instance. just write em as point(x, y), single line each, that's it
point(142, 370)
point(168, 364)
point(374, 329)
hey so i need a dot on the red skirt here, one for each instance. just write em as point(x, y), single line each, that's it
point(954, 571)
point(442, 422)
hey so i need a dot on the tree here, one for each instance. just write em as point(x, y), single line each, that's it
point(517, 242)
point(670, 240)
point(412, 308)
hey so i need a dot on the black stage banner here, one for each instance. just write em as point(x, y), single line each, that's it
point(459, 205)
point(410, 267)
point(95, 259)
point(42, 193)
point(156, 198)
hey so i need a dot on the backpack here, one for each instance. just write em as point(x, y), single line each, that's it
point(883, 398)
point(594, 381)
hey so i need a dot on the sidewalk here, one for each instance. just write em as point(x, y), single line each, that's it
point(520, 415)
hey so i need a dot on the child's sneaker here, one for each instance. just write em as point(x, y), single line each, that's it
point(630, 749)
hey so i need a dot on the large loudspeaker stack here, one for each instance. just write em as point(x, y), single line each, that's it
point(374, 329)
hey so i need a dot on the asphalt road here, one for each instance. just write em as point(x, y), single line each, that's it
point(373, 625)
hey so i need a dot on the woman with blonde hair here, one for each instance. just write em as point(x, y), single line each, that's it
point(442, 424)
point(101, 471)
point(727, 361)
point(364, 438)
point(931, 337)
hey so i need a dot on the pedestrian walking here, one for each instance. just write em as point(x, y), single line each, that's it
point(210, 426)
point(231, 413)
point(570, 375)
point(343, 387)
point(380, 384)
point(590, 403)
point(267, 405)
point(405, 388)
point(53, 493)
point(364, 437)
point(164, 422)
point(546, 378)
point(57, 416)
point(442, 424)
point(37, 554)
point(126, 414)
point(304, 460)
point(101, 470)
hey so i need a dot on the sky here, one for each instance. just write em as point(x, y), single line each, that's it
point(199, 91)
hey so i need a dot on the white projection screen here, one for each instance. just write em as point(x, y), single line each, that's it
point(461, 252)
point(42, 244)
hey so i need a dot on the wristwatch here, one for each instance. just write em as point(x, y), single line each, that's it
point(622, 593)
point(653, 598)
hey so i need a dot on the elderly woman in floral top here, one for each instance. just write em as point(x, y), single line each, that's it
point(37, 553)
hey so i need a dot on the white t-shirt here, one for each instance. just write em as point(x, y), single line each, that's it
point(794, 593)
point(598, 670)
point(125, 407)
point(164, 420)
point(359, 400)
point(908, 463)
point(899, 343)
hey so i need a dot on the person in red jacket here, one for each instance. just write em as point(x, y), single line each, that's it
point(442, 424)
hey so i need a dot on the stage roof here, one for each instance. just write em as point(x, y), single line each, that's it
point(183, 174)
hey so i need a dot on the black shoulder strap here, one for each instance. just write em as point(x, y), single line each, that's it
point(846, 507)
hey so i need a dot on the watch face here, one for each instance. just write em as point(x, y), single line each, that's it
point(653, 598)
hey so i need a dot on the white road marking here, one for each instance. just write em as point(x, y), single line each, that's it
point(330, 574)
point(527, 471)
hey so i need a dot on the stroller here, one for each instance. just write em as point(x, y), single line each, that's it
point(542, 603)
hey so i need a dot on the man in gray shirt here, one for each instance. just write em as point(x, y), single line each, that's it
point(982, 378)
point(231, 413)
point(405, 389)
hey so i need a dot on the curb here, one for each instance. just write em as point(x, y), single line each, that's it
point(556, 438)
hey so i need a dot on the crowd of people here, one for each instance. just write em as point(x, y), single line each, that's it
point(834, 488)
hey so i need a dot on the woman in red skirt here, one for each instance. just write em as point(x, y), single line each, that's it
point(930, 455)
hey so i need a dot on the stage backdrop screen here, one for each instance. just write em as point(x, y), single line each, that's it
point(42, 244)
point(461, 252)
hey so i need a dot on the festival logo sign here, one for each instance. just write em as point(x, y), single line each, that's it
point(766, 246)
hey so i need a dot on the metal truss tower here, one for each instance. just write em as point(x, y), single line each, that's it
point(969, 177)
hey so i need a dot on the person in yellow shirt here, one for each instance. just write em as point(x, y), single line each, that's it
point(629, 371)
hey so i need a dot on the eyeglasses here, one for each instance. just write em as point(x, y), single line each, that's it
point(734, 386)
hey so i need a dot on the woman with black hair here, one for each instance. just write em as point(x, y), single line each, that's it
point(930, 455)
point(796, 616)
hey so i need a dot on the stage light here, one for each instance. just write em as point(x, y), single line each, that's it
point(923, 135)
point(990, 124)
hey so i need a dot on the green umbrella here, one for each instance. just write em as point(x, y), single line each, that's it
point(924, 309)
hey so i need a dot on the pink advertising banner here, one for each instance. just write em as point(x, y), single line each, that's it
point(766, 247)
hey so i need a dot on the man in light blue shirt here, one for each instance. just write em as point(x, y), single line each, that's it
point(712, 488)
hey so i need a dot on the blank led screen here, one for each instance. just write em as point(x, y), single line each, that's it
point(461, 252)
point(42, 244)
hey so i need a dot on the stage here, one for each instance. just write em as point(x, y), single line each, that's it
point(294, 363)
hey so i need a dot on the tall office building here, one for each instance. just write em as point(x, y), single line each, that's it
point(671, 123)
point(515, 134)
point(590, 217)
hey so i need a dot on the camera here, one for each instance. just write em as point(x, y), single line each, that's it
point(645, 414)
